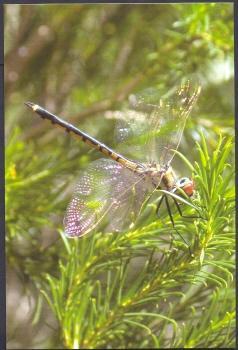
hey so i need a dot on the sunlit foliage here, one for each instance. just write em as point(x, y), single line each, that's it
point(141, 288)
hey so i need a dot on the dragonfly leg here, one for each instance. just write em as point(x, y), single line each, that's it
point(159, 204)
point(186, 216)
point(172, 221)
point(157, 212)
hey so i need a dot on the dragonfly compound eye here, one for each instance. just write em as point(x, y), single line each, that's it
point(187, 185)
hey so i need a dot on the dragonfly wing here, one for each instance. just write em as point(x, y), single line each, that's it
point(132, 132)
point(172, 115)
point(153, 127)
point(104, 190)
point(125, 212)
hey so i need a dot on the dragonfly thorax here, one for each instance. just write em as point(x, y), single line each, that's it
point(169, 179)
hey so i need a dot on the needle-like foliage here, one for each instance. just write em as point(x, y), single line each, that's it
point(141, 288)
point(171, 299)
point(154, 285)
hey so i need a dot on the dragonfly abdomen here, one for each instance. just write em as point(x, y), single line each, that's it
point(43, 113)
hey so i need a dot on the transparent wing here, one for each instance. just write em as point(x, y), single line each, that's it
point(128, 205)
point(132, 132)
point(153, 126)
point(106, 191)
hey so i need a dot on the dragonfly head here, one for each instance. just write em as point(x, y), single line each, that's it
point(187, 185)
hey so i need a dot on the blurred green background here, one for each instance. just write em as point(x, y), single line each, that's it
point(81, 62)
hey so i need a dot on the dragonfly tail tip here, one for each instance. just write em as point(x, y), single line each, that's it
point(31, 105)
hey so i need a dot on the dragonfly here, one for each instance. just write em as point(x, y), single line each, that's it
point(115, 188)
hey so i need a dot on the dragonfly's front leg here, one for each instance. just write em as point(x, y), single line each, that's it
point(172, 222)
point(159, 204)
point(186, 216)
point(157, 213)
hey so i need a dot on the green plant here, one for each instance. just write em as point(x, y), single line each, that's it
point(172, 299)
point(140, 288)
